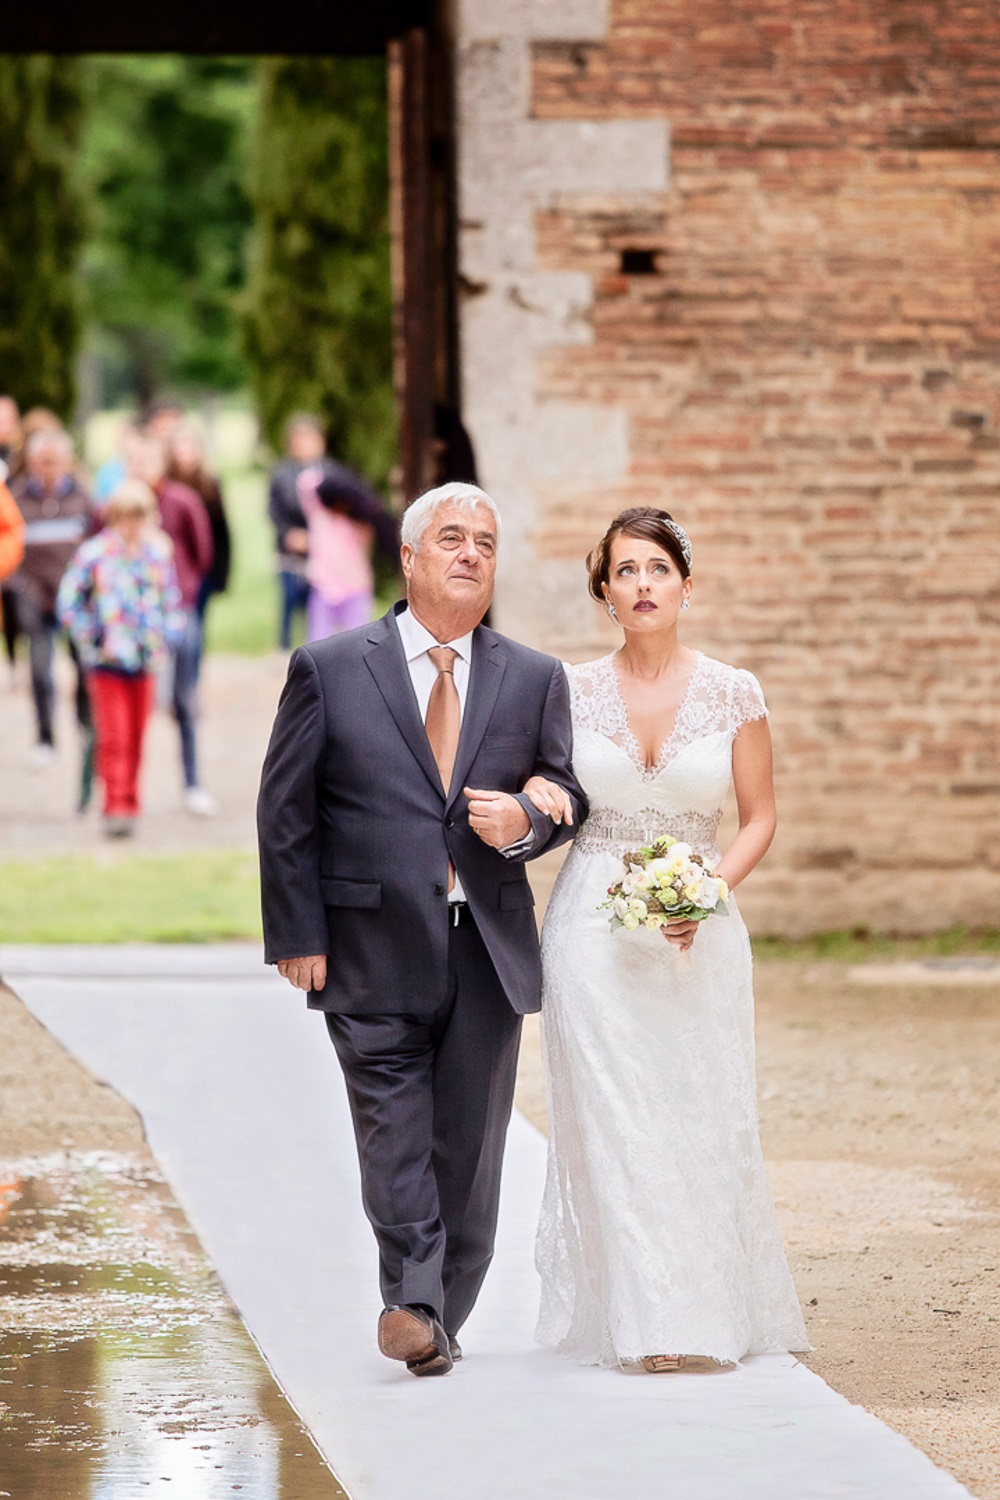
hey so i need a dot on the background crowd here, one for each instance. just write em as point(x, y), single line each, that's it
point(123, 566)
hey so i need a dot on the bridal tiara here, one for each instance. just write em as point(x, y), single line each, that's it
point(682, 537)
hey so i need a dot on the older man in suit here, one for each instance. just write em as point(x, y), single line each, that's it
point(393, 833)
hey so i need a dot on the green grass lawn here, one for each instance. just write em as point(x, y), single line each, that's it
point(861, 946)
point(173, 898)
point(202, 897)
point(244, 618)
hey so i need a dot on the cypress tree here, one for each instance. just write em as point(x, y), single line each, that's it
point(318, 324)
point(164, 163)
point(41, 229)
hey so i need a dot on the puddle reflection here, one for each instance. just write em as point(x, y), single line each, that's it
point(124, 1369)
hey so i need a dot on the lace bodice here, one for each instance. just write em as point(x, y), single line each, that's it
point(684, 793)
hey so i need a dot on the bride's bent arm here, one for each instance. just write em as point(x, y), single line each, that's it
point(753, 780)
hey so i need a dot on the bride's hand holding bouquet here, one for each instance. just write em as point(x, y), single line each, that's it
point(666, 888)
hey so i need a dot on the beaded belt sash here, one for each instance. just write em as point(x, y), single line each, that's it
point(606, 832)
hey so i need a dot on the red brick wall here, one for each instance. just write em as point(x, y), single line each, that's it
point(812, 378)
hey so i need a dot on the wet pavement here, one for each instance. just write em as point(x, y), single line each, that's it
point(125, 1370)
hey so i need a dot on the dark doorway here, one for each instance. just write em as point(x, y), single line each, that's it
point(414, 36)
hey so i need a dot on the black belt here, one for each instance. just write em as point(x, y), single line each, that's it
point(459, 913)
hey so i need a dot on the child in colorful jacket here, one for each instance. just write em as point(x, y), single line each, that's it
point(120, 602)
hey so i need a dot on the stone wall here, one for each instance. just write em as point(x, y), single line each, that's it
point(789, 335)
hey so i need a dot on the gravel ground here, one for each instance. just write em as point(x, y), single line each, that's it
point(880, 1107)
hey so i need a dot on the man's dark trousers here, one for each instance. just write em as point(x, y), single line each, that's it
point(431, 1099)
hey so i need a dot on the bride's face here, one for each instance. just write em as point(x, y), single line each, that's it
point(644, 584)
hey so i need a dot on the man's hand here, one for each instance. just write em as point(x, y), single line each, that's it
point(296, 539)
point(497, 817)
point(304, 973)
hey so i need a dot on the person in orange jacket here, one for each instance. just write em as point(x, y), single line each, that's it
point(11, 535)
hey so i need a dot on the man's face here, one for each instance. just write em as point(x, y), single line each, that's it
point(48, 464)
point(305, 444)
point(455, 565)
point(147, 461)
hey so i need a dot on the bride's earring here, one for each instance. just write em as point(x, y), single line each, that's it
point(612, 612)
point(686, 604)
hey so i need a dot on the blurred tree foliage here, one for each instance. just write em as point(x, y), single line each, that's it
point(318, 322)
point(165, 162)
point(41, 228)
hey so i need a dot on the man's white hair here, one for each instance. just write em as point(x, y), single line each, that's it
point(50, 437)
point(417, 517)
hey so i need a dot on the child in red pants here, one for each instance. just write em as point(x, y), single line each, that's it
point(120, 602)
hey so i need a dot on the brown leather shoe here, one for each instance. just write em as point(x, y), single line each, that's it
point(416, 1337)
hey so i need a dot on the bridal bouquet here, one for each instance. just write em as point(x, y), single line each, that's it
point(662, 882)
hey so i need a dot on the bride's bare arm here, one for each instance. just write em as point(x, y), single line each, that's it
point(754, 783)
point(753, 779)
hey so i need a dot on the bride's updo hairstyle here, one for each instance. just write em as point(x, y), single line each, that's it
point(657, 526)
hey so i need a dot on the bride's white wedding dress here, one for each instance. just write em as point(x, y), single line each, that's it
point(658, 1234)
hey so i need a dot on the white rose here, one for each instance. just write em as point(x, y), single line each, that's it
point(628, 884)
point(644, 881)
point(654, 921)
point(619, 907)
point(692, 892)
point(708, 895)
point(630, 922)
point(638, 909)
point(679, 858)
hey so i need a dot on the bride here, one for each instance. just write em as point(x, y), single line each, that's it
point(658, 1243)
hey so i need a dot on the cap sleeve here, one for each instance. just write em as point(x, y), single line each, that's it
point(747, 700)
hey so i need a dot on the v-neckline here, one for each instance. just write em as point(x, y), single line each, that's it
point(631, 744)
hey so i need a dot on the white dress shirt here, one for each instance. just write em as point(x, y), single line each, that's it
point(417, 641)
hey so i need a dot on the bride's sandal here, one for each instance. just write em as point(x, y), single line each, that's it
point(662, 1364)
point(691, 1364)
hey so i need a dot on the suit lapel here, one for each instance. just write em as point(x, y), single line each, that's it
point(387, 664)
point(488, 666)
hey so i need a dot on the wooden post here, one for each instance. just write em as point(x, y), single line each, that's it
point(413, 259)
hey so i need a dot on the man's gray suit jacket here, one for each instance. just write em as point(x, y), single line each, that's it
point(356, 831)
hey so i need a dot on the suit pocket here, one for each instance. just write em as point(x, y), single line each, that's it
point(515, 895)
point(360, 894)
point(509, 739)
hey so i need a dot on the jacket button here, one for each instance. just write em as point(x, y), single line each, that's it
point(449, 822)
point(438, 888)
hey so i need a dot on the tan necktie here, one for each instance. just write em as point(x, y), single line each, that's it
point(444, 715)
point(444, 721)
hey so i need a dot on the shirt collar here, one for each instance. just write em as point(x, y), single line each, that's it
point(417, 639)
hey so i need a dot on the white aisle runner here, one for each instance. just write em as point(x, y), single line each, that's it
point(244, 1109)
